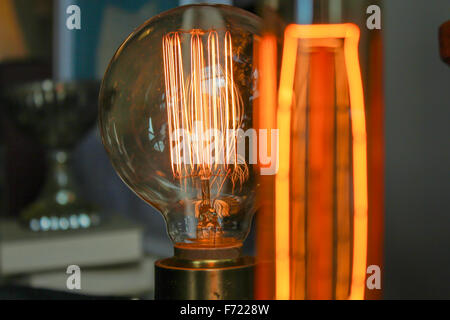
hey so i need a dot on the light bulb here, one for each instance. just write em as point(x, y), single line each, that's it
point(175, 103)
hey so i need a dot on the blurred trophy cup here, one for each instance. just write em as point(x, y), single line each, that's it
point(57, 114)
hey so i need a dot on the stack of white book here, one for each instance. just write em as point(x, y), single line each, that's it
point(110, 257)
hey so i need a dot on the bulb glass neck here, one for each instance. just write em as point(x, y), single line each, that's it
point(193, 252)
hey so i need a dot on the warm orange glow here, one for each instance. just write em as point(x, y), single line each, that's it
point(298, 188)
point(359, 164)
point(13, 44)
point(375, 155)
point(350, 34)
point(320, 177)
point(204, 112)
point(265, 117)
point(202, 108)
point(344, 214)
point(282, 188)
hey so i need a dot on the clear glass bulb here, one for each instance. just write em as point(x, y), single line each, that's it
point(175, 103)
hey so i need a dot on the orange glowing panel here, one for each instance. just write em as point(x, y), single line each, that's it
point(350, 34)
point(344, 212)
point(265, 115)
point(282, 188)
point(320, 198)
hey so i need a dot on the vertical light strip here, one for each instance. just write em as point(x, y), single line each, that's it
point(344, 212)
point(298, 179)
point(360, 218)
point(265, 113)
point(282, 187)
point(320, 174)
point(350, 33)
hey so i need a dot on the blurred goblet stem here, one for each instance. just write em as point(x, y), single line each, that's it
point(59, 182)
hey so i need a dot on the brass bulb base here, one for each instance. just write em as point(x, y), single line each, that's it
point(214, 274)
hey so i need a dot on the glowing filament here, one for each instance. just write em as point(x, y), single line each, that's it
point(204, 109)
point(204, 112)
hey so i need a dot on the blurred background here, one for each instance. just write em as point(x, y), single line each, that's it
point(36, 44)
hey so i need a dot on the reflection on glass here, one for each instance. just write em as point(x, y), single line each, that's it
point(174, 104)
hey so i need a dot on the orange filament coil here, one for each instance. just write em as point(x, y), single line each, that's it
point(204, 107)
